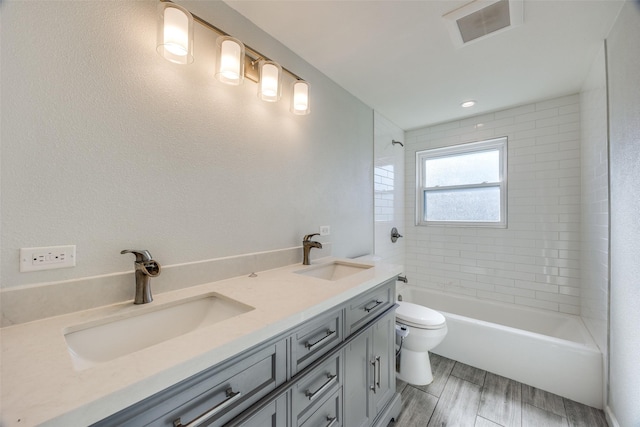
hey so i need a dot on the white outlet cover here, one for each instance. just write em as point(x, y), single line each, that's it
point(47, 258)
point(325, 230)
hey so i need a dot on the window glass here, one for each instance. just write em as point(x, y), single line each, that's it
point(473, 204)
point(471, 168)
point(463, 185)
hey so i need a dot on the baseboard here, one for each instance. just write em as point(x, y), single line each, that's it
point(611, 418)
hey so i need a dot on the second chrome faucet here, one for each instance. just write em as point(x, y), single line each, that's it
point(307, 244)
point(145, 268)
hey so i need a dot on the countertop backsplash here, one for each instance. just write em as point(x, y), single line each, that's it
point(33, 302)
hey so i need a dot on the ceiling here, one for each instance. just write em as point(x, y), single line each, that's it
point(398, 57)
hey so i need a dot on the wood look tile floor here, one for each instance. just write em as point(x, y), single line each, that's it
point(464, 396)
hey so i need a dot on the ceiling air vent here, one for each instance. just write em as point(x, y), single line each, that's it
point(481, 18)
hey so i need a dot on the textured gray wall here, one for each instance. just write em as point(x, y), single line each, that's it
point(107, 146)
point(623, 58)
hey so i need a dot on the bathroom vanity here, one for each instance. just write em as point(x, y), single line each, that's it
point(315, 347)
point(303, 375)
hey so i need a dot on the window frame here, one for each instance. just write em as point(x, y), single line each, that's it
point(499, 143)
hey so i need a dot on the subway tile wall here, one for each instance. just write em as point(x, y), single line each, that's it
point(388, 177)
point(535, 261)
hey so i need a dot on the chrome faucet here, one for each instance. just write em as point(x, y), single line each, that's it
point(307, 244)
point(146, 268)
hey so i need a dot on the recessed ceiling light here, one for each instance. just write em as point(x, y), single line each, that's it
point(468, 104)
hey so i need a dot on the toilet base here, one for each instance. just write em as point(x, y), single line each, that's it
point(415, 367)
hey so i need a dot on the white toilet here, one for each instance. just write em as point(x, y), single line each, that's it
point(427, 328)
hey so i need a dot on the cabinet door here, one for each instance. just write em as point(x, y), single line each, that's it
point(383, 354)
point(358, 374)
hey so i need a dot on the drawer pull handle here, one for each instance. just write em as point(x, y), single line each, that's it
point(332, 421)
point(318, 392)
point(309, 345)
point(232, 396)
point(377, 303)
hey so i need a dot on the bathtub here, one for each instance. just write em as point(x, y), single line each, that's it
point(548, 350)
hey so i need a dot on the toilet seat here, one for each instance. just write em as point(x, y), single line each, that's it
point(419, 316)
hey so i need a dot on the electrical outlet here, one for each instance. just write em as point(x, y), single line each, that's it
point(47, 258)
point(325, 230)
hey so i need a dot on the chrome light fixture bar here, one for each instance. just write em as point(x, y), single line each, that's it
point(234, 59)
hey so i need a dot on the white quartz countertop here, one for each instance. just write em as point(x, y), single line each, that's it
point(41, 386)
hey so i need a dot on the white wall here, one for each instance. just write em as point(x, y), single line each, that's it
point(107, 146)
point(594, 261)
point(623, 63)
point(388, 189)
point(535, 261)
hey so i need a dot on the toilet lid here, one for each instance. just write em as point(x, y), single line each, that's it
point(419, 316)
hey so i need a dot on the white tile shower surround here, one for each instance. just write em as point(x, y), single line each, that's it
point(462, 395)
point(388, 175)
point(535, 261)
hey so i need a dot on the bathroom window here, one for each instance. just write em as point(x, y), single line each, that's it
point(463, 185)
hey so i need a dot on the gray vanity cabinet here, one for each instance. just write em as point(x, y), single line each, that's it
point(337, 369)
point(369, 383)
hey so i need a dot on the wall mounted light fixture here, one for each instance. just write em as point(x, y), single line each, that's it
point(175, 33)
point(229, 60)
point(270, 85)
point(234, 60)
point(300, 98)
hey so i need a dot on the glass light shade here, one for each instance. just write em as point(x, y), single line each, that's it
point(229, 60)
point(175, 33)
point(300, 98)
point(270, 86)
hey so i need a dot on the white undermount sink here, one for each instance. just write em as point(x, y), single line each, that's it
point(335, 270)
point(106, 339)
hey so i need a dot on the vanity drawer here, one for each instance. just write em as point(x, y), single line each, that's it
point(272, 414)
point(221, 393)
point(316, 385)
point(314, 339)
point(365, 307)
point(327, 415)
